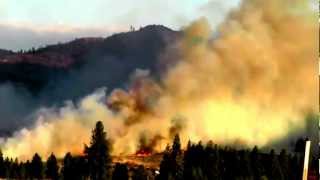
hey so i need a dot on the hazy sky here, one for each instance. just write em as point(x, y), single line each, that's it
point(25, 23)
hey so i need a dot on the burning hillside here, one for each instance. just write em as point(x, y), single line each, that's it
point(149, 160)
point(252, 85)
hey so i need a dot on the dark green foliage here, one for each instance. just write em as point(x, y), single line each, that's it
point(36, 167)
point(197, 162)
point(80, 165)
point(217, 163)
point(171, 166)
point(256, 164)
point(139, 173)
point(2, 166)
point(176, 146)
point(299, 147)
point(212, 163)
point(274, 170)
point(74, 167)
point(98, 155)
point(120, 172)
point(244, 165)
point(27, 167)
point(165, 171)
point(67, 169)
point(52, 169)
point(284, 164)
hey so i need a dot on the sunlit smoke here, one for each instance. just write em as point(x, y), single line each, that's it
point(251, 85)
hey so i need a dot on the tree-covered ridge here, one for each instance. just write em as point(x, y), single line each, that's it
point(197, 162)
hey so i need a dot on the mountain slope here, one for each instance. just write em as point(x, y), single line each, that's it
point(51, 75)
point(116, 56)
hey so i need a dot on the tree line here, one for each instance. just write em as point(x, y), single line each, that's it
point(212, 162)
point(196, 162)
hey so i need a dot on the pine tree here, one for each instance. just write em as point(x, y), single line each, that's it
point(80, 166)
point(67, 169)
point(245, 165)
point(275, 171)
point(176, 158)
point(120, 172)
point(165, 165)
point(212, 163)
point(36, 167)
point(2, 166)
point(139, 173)
point(176, 146)
point(98, 155)
point(52, 167)
point(14, 169)
point(257, 167)
point(28, 169)
point(7, 165)
point(284, 163)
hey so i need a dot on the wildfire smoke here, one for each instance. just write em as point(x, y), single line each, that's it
point(251, 85)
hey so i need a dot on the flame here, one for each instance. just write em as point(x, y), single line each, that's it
point(143, 153)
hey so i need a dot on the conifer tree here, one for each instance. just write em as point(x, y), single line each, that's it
point(36, 167)
point(284, 163)
point(52, 169)
point(98, 154)
point(165, 172)
point(67, 169)
point(176, 159)
point(257, 167)
point(2, 166)
point(120, 172)
point(139, 173)
point(275, 171)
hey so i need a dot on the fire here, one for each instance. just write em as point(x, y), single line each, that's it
point(143, 153)
point(251, 85)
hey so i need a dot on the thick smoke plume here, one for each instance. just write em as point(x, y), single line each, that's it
point(251, 85)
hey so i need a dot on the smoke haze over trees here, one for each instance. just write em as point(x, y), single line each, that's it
point(196, 162)
point(236, 101)
point(241, 87)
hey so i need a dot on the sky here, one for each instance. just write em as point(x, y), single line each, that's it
point(26, 23)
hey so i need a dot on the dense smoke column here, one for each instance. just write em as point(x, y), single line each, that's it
point(252, 85)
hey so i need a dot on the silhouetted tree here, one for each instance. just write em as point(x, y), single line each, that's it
point(296, 168)
point(275, 172)
point(212, 163)
point(284, 163)
point(80, 166)
point(52, 169)
point(67, 169)
point(165, 171)
point(36, 167)
point(74, 167)
point(171, 165)
point(176, 146)
point(299, 146)
point(245, 165)
point(98, 154)
point(176, 158)
point(120, 172)
point(195, 162)
point(15, 169)
point(256, 162)
point(7, 165)
point(28, 169)
point(2, 166)
point(198, 162)
point(139, 173)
